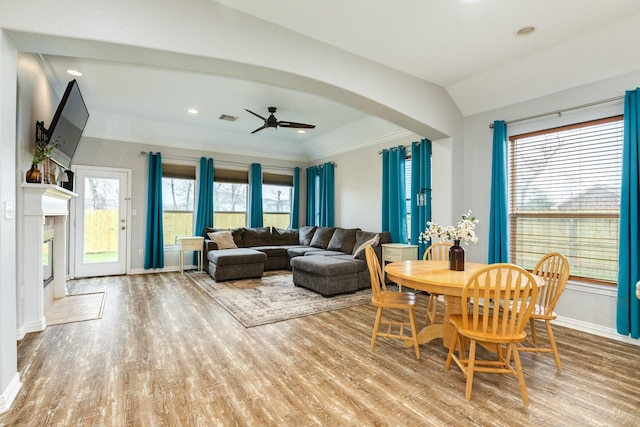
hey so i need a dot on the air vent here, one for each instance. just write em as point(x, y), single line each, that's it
point(228, 118)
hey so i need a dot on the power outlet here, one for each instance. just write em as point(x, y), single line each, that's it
point(140, 252)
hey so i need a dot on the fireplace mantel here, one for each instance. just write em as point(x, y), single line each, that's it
point(41, 200)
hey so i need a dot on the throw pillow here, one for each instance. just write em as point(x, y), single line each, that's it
point(256, 236)
point(321, 237)
point(343, 240)
point(223, 239)
point(280, 236)
point(305, 234)
point(371, 242)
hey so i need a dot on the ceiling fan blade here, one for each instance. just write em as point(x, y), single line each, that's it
point(260, 128)
point(295, 125)
point(257, 115)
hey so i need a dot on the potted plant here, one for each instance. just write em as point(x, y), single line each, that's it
point(40, 153)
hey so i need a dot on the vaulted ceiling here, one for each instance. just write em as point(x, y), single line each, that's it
point(471, 48)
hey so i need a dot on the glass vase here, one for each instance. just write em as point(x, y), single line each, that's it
point(456, 256)
point(33, 175)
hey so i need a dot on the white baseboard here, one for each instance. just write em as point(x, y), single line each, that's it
point(31, 327)
point(10, 393)
point(594, 329)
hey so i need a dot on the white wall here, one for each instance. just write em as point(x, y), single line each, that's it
point(118, 154)
point(591, 308)
point(9, 378)
point(358, 177)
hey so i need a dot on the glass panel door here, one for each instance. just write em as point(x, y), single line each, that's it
point(101, 222)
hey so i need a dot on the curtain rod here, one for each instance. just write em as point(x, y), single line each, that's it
point(404, 146)
point(559, 112)
point(219, 162)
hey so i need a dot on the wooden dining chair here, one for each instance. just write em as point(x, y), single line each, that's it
point(553, 268)
point(436, 252)
point(498, 329)
point(383, 299)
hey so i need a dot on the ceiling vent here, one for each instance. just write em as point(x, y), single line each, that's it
point(228, 118)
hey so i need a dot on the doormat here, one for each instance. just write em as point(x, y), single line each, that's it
point(75, 308)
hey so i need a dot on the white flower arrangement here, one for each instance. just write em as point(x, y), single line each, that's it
point(464, 230)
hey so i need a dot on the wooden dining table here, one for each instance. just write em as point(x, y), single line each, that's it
point(434, 277)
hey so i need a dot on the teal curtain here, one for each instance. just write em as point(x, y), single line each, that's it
point(420, 184)
point(498, 237)
point(327, 195)
point(295, 203)
point(628, 310)
point(204, 211)
point(255, 196)
point(154, 245)
point(312, 213)
point(394, 207)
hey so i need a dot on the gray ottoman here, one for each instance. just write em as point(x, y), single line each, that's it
point(326, 275)
point(241, 263)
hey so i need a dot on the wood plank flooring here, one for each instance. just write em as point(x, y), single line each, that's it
point(165, 354)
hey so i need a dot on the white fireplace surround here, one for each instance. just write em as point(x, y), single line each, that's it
point(41, 200)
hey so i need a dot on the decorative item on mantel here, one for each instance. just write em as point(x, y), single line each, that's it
point(40, 153)
point(464, 231)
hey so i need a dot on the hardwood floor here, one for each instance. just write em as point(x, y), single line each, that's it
point(165, 354)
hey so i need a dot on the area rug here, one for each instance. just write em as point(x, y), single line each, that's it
point(75, 308)
point(272, 298)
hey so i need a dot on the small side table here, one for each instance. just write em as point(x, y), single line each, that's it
point(392, 252)
point(190, 243)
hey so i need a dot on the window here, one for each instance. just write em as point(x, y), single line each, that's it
point(565, 197)
point(178, 195)
point(230, 198)
point(277, 193)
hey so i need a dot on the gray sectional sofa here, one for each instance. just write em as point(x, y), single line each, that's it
point(322, 259)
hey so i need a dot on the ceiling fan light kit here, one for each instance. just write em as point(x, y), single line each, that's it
point(273, 123)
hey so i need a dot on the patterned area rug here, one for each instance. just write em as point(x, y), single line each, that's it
point(273, 298)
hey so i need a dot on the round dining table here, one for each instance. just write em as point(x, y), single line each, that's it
point(434, 277)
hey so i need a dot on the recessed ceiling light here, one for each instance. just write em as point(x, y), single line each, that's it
point(525, 31)
point(192, 111)
point(74, 73)
point(301, 131)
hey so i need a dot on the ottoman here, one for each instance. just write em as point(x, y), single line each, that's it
point(241, 263)
point(326, 275)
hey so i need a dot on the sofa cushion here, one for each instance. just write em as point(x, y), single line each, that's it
point(323, 252)
point(258, 236)
point(223, 239)
point(305, 234)
point(236, 256)
point(343, 240)
point(281, 236)
point(296, 251)
point(271, 251)
point(321, 237)
point(324, 266)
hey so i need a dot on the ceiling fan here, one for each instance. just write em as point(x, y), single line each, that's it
point(272, 122)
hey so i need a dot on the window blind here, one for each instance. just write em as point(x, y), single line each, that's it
point(564, 197)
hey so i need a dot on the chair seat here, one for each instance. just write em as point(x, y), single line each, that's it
point(539, 313)
point(396, 299)
point(480, 335)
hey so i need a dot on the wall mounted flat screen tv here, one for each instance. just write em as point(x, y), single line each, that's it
point(67, 125)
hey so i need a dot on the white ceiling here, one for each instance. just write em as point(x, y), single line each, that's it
point(469, 47)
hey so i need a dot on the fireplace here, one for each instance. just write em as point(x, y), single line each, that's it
point(47, 262)
point(47, 250)
point(44, 251)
